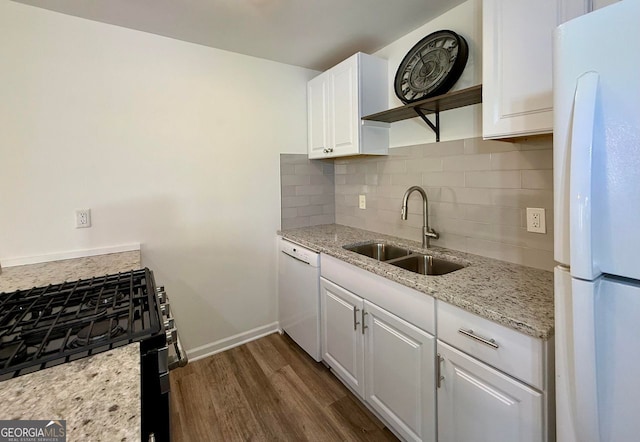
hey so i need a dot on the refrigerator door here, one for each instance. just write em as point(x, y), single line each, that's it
point(604, 43)
point(565, 367)
point(606, 331)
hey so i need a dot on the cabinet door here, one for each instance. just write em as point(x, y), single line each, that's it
point(479, 403)
point(317, 116)
point(342, 338)
point(400, 374)
point(343, 111)
point(517, 93)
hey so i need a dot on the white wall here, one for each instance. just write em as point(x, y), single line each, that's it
point(171, 144)
point(466, 20)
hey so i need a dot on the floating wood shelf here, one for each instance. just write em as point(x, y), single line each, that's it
point(433, 105)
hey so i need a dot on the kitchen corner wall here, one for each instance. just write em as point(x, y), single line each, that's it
point(307, 191)
point(172, 145)
point(478, 194)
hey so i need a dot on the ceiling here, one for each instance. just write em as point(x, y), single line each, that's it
point(315, 34)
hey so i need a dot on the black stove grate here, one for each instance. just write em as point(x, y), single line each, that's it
point(46, 326)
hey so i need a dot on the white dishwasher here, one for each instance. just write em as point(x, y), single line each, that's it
point(299, 296)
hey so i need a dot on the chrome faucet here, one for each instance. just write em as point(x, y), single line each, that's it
point(426, 231)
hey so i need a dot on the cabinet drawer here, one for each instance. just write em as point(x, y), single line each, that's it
point(411, 305)
point(512, 352)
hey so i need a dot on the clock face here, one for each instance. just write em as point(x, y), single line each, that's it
point(432, 66)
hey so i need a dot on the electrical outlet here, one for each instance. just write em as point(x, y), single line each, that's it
point(536, 220)
point(362, 201)
point(83, 218)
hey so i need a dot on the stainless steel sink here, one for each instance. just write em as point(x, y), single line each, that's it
point(405, 258)
point(426, 265)
point(378, 250)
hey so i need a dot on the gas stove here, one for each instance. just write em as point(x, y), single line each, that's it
point(46, 326)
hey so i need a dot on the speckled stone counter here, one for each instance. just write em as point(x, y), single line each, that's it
point(37, 275)
point(98, 396)
point(513, 295)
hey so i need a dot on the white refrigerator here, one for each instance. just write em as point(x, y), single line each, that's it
point(597, 225)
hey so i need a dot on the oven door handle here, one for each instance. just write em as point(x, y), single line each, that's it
point(180, 360)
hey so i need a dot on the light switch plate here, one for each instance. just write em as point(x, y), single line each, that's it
point(362, 201)
point(536, 220)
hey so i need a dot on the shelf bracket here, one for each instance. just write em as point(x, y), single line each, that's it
point(434, 127)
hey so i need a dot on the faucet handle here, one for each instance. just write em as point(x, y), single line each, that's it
point(431, 233)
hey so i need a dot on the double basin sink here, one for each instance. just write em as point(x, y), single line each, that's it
point(405, 258)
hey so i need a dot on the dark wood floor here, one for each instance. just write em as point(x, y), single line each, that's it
point(266, 390)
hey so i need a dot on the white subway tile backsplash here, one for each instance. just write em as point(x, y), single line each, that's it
point(537, 179)
point(478, 191)
point(293, 180)
point(392, 166)
point(465, 195)
point(445, 148)
point(443, 179)
point(406, 179)
point(316, 220)
point(510, 216)
point(307, 191)
point(467, 162)
point(532, 159)
point(428, 164)
point(295, 201)
point(480, 146)
point(540, 142)
point(309, 210)
point(310, 190)
point(522, 198)
point(511, 179)
point(321, 199)
point(289, 212)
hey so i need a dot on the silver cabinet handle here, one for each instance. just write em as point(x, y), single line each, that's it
point(363, 323)
point(355, 318)
point(439, 376)
point(489, 342)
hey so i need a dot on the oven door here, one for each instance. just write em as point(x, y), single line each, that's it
point(155, 395)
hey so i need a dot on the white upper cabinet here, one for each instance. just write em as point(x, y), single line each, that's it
point(517, 93)
point(338, 99)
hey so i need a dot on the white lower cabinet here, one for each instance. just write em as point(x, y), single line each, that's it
point(479, 403)
point(487, 383)
point(400, 373)
point(342, 340)
point(386, 360)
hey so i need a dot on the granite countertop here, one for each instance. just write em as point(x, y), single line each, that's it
point(98, 396)
point(513, 295)
point(38, 275)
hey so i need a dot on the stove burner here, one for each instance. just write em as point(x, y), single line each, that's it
point(105, 300)
point(101, 331)
point(14, 354)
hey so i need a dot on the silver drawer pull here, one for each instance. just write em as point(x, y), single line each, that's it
point(364, 323)
point(355, 318)
point(489, 342)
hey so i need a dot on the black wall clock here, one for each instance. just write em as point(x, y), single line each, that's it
point(431, 67)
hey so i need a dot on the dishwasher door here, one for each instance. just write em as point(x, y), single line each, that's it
point(299, 296)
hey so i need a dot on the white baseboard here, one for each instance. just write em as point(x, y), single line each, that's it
point(12, 262)
point(233, 341)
